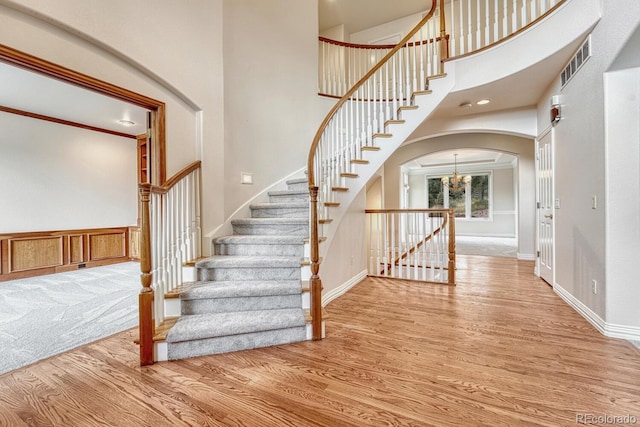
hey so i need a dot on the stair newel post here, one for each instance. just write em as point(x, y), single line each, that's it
point(146, 297)
point(444, 54)
point(452, 247)
point(315, 282)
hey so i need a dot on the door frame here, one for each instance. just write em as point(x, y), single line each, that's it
point(157, 108)
point(547, 132)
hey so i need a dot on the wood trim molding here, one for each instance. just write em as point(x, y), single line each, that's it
point(63, 122)
point(46, 252)
point(168, 185)
point(157, 108)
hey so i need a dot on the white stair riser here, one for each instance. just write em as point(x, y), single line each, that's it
point(172, 307)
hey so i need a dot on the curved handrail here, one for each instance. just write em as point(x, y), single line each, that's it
point(373, 46)
point(315, 282)
point(171, 182)
point(346, 96)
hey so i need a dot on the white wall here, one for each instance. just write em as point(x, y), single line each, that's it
point(346, 258)
point(525, 172)
point(595, 151)
point(170, 51)
point(55, 177)
point(399, 27)
point(272, 110)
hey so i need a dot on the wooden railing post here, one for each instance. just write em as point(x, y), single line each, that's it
point(452, 247)
point(444, 51)
point(315, 282)
point(145, 299)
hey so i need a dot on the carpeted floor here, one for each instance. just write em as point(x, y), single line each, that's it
point(488, 246)
point(46, 315)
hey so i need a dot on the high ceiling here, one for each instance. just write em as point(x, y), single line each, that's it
point(35, 93)
point(357, 15)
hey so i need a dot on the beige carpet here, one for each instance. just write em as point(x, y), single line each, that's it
point(46, 315)
point(488, 246)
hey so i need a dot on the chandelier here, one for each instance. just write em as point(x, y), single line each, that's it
point(456, 182)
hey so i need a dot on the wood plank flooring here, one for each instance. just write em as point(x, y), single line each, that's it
point(499, 349)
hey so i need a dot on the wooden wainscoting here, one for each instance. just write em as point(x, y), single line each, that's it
point(46, 252)
point(134, 243)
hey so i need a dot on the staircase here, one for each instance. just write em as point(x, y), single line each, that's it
point(250, 293)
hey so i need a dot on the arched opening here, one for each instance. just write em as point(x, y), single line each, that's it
point(479, 184)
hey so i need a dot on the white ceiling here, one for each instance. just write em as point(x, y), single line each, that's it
point(32, 92)
point(357, 15)
point(35, 93)
point(467, 160)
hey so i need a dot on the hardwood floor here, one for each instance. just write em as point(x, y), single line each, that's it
point(499, 349)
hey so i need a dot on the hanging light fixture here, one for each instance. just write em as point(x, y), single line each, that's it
point(456, 182)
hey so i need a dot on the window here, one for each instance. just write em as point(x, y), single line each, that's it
point(472, 202)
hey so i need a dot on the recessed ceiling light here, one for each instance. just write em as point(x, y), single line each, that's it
point(483, 102)
point(465, 105)
point(126, 122)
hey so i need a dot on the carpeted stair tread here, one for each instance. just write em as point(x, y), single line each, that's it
point(203, 326)
point(248, 239)
point(227, 261)
point(234, 289)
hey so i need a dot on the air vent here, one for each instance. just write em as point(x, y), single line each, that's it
point(576, 62)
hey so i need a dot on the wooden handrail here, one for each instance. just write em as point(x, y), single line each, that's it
point(315, 282)
point(378, 46)
point(171, 182)
point(147, 294)
point(346, 96)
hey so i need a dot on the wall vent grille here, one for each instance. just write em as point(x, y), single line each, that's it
point(578, 59)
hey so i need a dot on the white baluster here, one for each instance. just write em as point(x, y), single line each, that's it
point(453, 29)
point(478, 25)
point(462, 38)
point(422, 77)
point(470, 25)
point(394, 80)
point(487, 23)
point(496, 21)
point(505, 18)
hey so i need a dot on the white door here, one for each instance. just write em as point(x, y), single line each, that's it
point(545, 208)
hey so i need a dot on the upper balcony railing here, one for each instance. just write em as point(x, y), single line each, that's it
point(470, 26)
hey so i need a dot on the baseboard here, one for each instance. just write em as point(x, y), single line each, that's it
point(582, 309)
point(342, 289)
point(631, 333)
point(526, 257)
